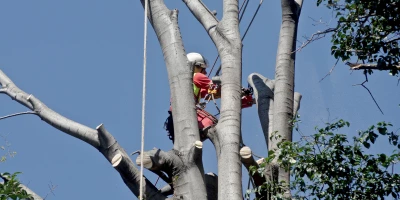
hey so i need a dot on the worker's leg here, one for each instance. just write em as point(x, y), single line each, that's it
point(205, 121)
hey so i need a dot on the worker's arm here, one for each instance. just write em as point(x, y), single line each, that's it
point(203, 82)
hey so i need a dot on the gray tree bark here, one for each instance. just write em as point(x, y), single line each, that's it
point(188, 174)
point(182, 167)
point(284, 76)
point(226, 137)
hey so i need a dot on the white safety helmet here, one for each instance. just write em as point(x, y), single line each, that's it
point(196, 59)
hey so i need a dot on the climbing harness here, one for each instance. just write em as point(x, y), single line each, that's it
point(143, 99)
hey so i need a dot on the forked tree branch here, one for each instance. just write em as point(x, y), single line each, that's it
point(370, 93)
point(99, 138)
point(315, 36)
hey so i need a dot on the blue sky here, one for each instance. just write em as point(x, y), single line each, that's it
point(84, 60)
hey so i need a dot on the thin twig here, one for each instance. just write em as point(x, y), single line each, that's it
point(16, 114)
point(51, 188)
point(319, 22)
point(330, 71)
point(135, 152)
point(362, 84)
point(314, 37)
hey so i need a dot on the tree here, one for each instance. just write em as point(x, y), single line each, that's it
point(367, 31)
point(187, 174)
point(328, 165)
point(11, 188)
point(183, 164)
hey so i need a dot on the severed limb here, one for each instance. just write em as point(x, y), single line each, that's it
point(171, 163)
point(167, 190)
point(248, 161)
point(99, 138)
point(158, 160)
point(296, 103)
point(264, 95)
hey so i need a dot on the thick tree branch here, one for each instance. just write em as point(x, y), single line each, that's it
point(100, 139)
point(159, 160)
point(204, 16)
point(264, 95)
point(360, 66)
point(248, 160)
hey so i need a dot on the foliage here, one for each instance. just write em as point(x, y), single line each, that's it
point(367, 29)
point(11, 188)
point(6, 149)
point(327, 166)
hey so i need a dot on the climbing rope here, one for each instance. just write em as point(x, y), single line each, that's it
point(245, 33)
point(143, 98)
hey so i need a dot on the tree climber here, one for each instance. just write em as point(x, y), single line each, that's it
point(202, 86)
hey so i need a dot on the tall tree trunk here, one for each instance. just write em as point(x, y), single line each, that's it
point(188, 178)
point(226, 136)
point(284, 77)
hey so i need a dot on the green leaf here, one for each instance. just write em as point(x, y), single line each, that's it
point(366, 145)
